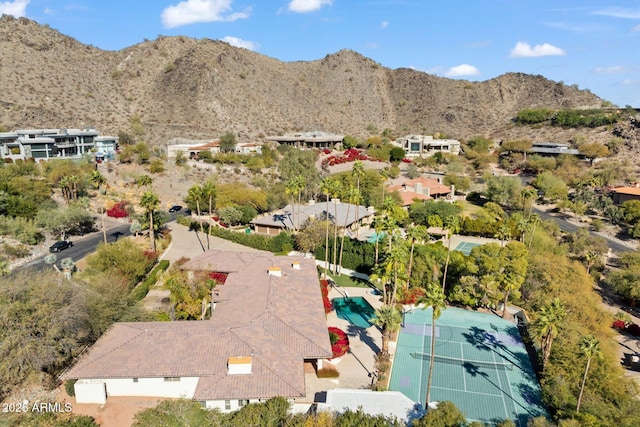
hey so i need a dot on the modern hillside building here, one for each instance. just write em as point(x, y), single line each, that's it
point(46, 144)
point(426, 145)
point(315, 139)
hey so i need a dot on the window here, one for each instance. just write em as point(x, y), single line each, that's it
point(171, 379)
point(242, 402)
point(227, 405)
point(135, 380)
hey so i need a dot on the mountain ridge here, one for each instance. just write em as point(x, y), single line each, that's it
point(200, 88)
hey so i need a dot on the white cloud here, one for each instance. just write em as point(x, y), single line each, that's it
point(629, 82)
point(636, 28)
point(304, 6)
point(235, 41)
point(16, 8)
point(619, 12)
point(524, 50)
point(192, 11)
point(614, 69)
point(384, 24)
point(462, 70)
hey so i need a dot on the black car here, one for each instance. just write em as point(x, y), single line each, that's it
point(60, 245)
point(175, 208)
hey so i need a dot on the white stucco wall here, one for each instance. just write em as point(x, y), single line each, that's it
point(152, 387)
point(220, 404)
point(88, 391)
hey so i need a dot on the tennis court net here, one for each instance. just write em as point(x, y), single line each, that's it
point(464, 362)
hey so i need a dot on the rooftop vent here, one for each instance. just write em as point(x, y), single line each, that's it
point(295, 265)
point(239, 365)
point(274, 270)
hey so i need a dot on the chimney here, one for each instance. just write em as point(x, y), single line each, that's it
point(239, 365)
point(419, 188)
point(274, 270)
point(295, 265)
point(335, 200)
point(312, 202)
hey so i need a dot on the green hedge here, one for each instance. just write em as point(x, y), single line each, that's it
point(140, 291)
point(282, 243)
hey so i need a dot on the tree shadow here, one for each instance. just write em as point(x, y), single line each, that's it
point(363, 335)
point(475, 371)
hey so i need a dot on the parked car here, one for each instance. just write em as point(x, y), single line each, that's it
point(60, 245)
point(175, 208)
point(187, 212)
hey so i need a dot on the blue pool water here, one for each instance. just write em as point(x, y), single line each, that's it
point(355, 310)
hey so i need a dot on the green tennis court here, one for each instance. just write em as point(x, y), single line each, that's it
point(465, 247)
point(481, 365)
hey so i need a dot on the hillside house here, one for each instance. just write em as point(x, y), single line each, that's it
point(267, 323)
point(347, 216)
point(46, 144)
point(315, 139)
point(426, 145)
point(420, 189)
point(623, 194)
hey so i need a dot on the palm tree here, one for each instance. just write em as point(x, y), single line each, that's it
point(545, 327)
point(336, 188)
point(352, 197)
point(358, 173)
point(150, 202)
point(394, 271)
point(415, 233)
point(96, 179)
point(504, 233)
point(528, 194)
point(434, 298)
point(590, 348)
point(325, 187)
point(534, 221)
point(388, 318)
point(144, 181)
point(384, 173)
point(208, 192)
point(295, 187)
point(452, 225)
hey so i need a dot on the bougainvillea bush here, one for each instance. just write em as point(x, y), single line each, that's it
point(350, 155)
point(410, 296)
point(339, 342)
point(119, 210)
point(217, 277)
point(324, 288)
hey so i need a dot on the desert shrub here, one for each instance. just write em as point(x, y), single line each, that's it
point(69, 387)
point(140, 291)
point(123, 258)
point(328, 371)
point(15, 251)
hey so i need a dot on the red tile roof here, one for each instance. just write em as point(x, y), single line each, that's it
point(278, 321)
point(633, 191)
point(408, 194)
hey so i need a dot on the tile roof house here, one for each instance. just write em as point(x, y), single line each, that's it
point(296, 216)
point(623, 194)
point(267, 321)
point(420, 189)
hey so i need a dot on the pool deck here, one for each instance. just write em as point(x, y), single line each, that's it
point(357, 365)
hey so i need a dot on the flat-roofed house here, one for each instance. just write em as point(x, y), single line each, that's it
point(315, 139)
point(268, 321)
point(46, 144)
point(295, 217)
point(420, 189)
point(426, 145)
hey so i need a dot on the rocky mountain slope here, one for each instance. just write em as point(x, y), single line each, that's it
point(199, 89)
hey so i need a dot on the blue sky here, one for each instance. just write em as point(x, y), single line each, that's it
point(591, 44)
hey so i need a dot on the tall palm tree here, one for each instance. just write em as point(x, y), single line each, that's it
point(208, 192)
point(590, 348)
point(528, 194)
point(545, 327)
point(358, 173)
point(452, 224)
point(415, 233)
point(352, 198)
point(394, 271)
point(534, 221)
point(434, 298)
point(504, 233)
point(150, 202)
point(294, 187)
point(388, 318)
point(325, 187)
point(336, 189)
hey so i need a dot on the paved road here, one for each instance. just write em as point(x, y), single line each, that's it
point(616, 245)
point(85, 245)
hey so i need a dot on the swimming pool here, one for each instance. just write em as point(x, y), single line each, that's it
point(355, 310)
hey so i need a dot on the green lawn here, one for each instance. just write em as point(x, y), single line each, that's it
point(346, 281)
